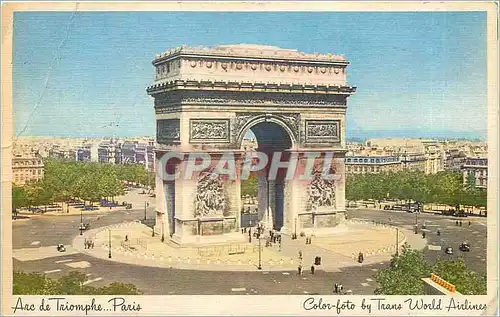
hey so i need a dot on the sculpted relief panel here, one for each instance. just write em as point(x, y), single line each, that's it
point(210, 196)
point(209, 130)
point(321, 192)
point(168, 131)
point(322, 131)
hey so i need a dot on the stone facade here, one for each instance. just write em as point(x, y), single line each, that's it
point(26, 169)
point(206, 99)
point(477, 168)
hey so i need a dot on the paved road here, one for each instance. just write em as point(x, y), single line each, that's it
point(49, 231)
point(451, 235)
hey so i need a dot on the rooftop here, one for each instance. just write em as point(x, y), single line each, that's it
point(250, 50)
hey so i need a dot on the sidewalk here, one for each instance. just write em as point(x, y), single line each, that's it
point(145, 250)
point(133, 197)
point(337, 251)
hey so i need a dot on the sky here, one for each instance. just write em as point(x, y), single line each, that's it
point(85, 74)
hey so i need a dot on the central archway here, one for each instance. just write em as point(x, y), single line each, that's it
point(271, 137)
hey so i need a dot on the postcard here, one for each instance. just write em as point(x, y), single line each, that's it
point(249, 158)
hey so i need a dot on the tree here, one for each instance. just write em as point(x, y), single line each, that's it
point(455, 272)
point(117, 288)
point(71, 284)
point(404, 275)
point(250, 186)
point(19, 199)
point(33, 284)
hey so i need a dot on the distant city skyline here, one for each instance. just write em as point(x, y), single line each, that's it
point(84, 74)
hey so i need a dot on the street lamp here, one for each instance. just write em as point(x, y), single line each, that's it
point(109, 254)
point(81, 222)
point(295, 230)
point(260, 250)
point(162, 233)
point(397, 241)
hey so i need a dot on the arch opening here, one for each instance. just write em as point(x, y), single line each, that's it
point(268, 207)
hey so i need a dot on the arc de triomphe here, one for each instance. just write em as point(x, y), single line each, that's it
point(206, 99)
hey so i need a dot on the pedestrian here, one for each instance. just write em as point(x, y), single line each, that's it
point(312, 269)
point(456, 222)
point(126, 238)
point(336, 288)
point(341, 289)
point(300, 254)
point(423, 234)
point(300, 269)
point(469, 223)
point(85, 243)
point(92, 244)
point(439, 232)
point(460, 223)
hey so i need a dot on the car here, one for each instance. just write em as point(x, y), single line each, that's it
point(448, 250)
point(61, 248)
point(464, 247)
point(84, 226)
point(387, 207)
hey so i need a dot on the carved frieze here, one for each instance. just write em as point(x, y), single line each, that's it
point(241, 120)
point(210, 197)
point(168, 131)
point(172, 98)
point(209, 130)
point(321, 192)
point(292, 120)
point(267, 101)
point(322, 131)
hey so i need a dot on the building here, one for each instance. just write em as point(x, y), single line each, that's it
point(207, 99)
point(372, 164)
point(26, 169)
point(477, 167)
point(414, 161)
point(59, 152)
point(83, 154)
point(433, 157)
point(106, 152)
point(127, 153)
point(454, 160)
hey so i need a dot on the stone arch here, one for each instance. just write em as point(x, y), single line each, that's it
point(292, 132)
